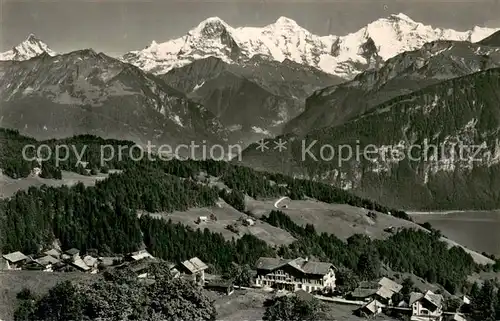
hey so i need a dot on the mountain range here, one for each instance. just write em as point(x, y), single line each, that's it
point(88, 92)
point(392, 83)
point(432, 148)
point(343, 56)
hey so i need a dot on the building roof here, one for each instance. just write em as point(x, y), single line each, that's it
point(301, 264)
point(80, 264)
point(194, 265)
point(53, 252)
point(385, 293)
point(15, 257)
point(46, 260)
point(458, 317)
point(139, 255)
point(312, 267)
point(431, 297)
point(270, 263)
point(89, 260)
point(435, 299)
point(373, 306)
point(72, 251)
point(390, 284)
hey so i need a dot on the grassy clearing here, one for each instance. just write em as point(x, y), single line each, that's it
point(11, 282)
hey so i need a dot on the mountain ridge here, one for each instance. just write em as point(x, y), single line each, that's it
point(344, 56)
point(409, 71)
point(29, 48)
point(85, 92)
point(437, 115)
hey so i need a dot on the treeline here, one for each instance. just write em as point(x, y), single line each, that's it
point(101, 217)
point(93, 150)
point(408, 250)
point(176, 242)
point(19, 155)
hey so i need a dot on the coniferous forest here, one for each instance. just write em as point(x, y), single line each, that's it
point(104, 216)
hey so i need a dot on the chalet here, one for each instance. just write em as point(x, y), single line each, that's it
point(90, 261)
point(372, 308)
point(382, 291)
point(139, 255)
point(428, 306)
point(221, 286)
point(47, 262)
point(293, 275)
point(390, 285)
point(80, 265)
point(201, 219)
point(193, 269)
point(71, 255)
point(54, 253)
point(16, 260)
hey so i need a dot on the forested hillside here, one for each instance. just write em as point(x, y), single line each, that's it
point(104, 217)
point(432, 149)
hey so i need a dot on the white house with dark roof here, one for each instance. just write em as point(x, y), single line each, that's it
point(426, 307)
point(293, 275)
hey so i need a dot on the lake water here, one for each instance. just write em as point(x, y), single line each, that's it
point(476, 230)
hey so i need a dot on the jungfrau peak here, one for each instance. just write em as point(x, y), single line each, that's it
point(29, 48)
point(344, 56)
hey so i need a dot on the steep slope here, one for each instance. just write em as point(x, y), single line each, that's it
point(29, 48)
point(344, 56)
point(434, 62)
point(85, 92)
point(436, 148)
point(493, 40)
point(254, 98)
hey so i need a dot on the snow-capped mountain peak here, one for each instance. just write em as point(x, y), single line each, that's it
point(210, 27)
point(29, 48)
point(401, 16)
point(343, 56)
point(284, 21)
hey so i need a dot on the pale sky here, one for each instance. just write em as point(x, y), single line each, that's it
point(118, 26)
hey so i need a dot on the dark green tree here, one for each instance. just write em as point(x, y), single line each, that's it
point(292, 308)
